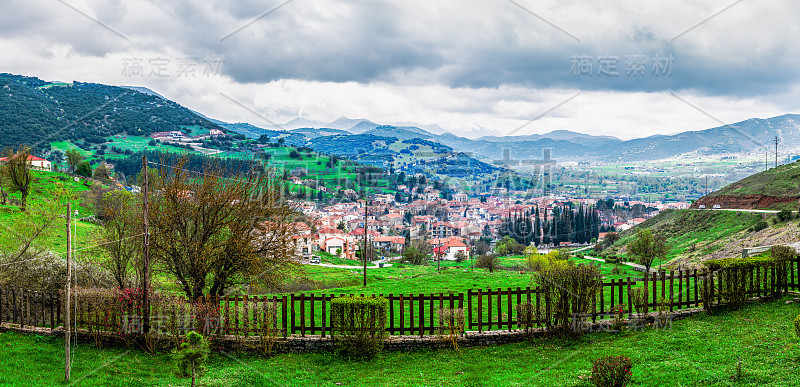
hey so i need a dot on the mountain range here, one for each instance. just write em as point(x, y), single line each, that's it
point(752, 135)
point(33, 110)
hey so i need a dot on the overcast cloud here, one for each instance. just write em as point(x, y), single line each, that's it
point(474, 67)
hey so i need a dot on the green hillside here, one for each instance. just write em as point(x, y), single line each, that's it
point(698, 235)
point(781, 181)
point(37, 112)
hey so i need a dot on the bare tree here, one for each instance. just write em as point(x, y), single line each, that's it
point(17, 173)
point(212, 232)
point(122, 214)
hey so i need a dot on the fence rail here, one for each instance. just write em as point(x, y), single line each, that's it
point(408, 314)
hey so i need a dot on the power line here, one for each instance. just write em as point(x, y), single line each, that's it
point(74, 250)
point(202, 173)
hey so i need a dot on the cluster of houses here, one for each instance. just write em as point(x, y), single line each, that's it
point(177, 135)
point(448, 226)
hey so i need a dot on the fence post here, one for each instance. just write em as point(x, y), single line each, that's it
point(391, 314)
point(489, 308)
point(469, 308)
point(430, 308)
point(630, 302)
point(324, 308)
point(646, 283)
point(402, 315)
point(510, 312)
point(671, 284)
point(302, 314)
point(480, 310)
point(293, 316)
point(283, 316)
point(421, 315)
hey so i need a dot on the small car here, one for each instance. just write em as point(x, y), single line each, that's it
point(717, 206)
point(314, 259)
point(702, 207)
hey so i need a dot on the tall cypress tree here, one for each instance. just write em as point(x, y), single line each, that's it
point(537, 232)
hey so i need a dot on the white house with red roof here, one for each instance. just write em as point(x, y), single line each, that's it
point(37, 163)
point(449, 249)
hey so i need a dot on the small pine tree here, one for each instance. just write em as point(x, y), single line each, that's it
point(191, 355)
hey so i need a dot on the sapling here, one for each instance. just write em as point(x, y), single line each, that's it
point(191, 355)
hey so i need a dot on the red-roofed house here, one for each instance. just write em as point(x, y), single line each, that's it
point(35, 162)
point(450, 248)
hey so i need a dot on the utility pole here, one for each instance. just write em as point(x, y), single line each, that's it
point(776, 151)
point(67, 327)
point(766, 159)
point(366, 236)
point(145, 251)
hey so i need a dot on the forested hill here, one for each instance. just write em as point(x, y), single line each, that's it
point(37, 112)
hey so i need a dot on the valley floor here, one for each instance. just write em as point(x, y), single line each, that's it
point(702, 350)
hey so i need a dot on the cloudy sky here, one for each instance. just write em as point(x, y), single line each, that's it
point(627, 68)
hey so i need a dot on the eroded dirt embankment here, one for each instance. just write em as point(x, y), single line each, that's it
point(745, 202)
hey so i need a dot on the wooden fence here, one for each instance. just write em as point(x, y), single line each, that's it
point(408, 314)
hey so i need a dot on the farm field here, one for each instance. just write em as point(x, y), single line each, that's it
point(701, 350)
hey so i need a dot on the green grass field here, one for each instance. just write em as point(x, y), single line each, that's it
point(44, 188)
point(701, 350)
point(454, 277)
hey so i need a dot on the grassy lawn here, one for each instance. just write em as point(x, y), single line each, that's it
point(702, 350)
point(454, 277)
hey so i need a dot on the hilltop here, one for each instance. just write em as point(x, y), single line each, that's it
point(37, 112)
point(775, 188)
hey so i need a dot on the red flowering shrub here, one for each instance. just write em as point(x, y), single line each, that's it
point(611, 371)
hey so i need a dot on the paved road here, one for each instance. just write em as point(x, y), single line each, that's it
point(374, 265)
point(635, 266)
point(738, 210)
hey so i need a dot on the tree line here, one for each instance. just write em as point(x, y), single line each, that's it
point(561, 224)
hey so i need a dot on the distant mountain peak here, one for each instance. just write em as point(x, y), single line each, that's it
point(344, 123)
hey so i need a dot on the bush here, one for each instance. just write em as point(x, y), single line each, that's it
point(488, 261)
point(782, 253)
point(610, 238)
point(611, 258)
point(359, 326)
point(451, 324)
point(84, 169)
point(735, 281)
point(638, 297)
point(760, 226)
point(527, 316)
point(571, 290)
point(611, 371)
point(616, 270)
point(537, 262)
point(785, 215)
point(797, 325)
